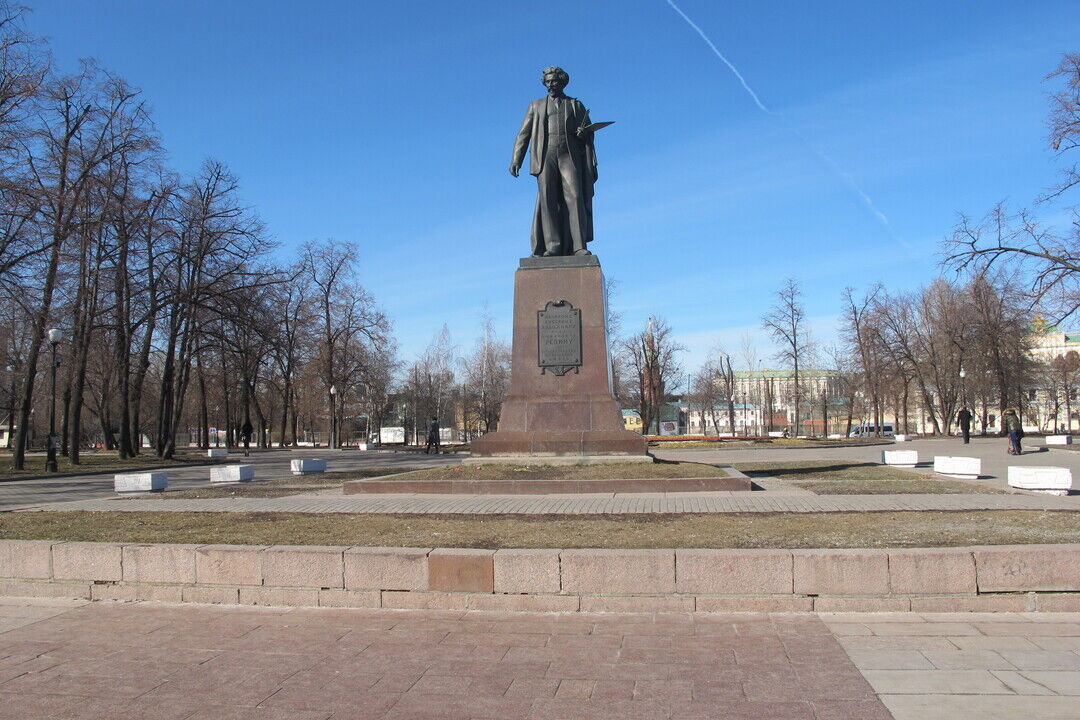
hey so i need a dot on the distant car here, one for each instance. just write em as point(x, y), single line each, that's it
point(864, 430)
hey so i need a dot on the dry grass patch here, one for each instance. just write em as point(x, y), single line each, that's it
point(851, 477)
point(613, 471)
point(732, 530)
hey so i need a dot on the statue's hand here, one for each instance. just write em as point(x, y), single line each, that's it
point(514, 168)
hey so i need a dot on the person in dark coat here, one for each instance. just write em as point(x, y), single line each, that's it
point(1015, 431)
point(563, 159)
point(432, 435)
point(245, 435)
point(964, 417)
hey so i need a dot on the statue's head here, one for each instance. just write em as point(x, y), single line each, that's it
point(555, 79)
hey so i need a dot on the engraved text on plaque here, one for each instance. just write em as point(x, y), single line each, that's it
point(558, 334)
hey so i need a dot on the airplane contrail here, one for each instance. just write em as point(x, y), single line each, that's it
point(832, 164)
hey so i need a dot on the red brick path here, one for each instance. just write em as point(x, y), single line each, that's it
point(104, 661)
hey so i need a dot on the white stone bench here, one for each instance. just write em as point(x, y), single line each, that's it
point(965, 468)
point(217, 453)
point(308, 466)
point(901, 438)
point(140, 482)
point(900, 458)
point(1059, 439)
point(1054, 480)
point(776, 433)
point(232, 474)
point(835, 436)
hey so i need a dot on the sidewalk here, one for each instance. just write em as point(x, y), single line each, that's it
point(990, 450)
point(70, 660)
point(705, 502)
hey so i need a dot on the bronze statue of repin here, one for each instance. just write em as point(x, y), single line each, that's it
point(563, 159)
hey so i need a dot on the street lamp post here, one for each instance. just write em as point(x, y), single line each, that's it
point(333, 417)
point(55, 337)
point(11, 368)
point(745, 425)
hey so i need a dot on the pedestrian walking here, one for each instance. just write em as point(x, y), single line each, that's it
point(245, 435)
point(964, 417)
point(1015, 431)
point(432, 435)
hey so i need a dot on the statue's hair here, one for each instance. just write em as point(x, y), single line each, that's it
point(555, 70)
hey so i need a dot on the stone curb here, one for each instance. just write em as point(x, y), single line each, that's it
point(1008, 578)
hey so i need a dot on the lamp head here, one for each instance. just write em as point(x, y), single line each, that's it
point(56, 335)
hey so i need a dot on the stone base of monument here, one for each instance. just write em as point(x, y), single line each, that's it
point(548, 487)
point(560, 403)
point(558, 460)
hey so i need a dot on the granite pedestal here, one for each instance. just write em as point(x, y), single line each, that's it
point(560, 410)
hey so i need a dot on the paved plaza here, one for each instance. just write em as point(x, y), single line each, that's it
point(587, 504)
point(990, 450)
point(71, 660)
point(268, 465)
point(94, 492)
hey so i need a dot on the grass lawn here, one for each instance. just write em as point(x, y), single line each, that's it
point(621, 471)
point(734, 530)
point(851, 477)
point(35, 464)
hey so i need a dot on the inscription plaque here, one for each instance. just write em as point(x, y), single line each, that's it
point(558, 335)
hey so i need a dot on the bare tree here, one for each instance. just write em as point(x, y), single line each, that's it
point(350, 321)
point(86, 120)
point(487, 377)
point(651, 356)
point(714, 384)
point(786, 322)
point(1064, 120)
point(1049, 258)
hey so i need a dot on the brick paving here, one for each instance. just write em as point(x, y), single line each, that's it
point(165, 662)
point(640, 503)
point(69, 660)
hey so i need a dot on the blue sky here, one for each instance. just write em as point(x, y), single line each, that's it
point(390, 124)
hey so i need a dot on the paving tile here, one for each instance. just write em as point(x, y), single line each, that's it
point(1020, 684)
point(923, 682)
point(227, 713)
point(1060, 681)
point(270, 664)
point(889, 660)
point(743, 710)
point(979, 707)
point(1043, 659)
point(575, 689)
point(983, 642)
point(1033, 628)
point(967, 660)
point(944, 629)
point(922, 642)
point(848, 628)
point(1055, 643)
